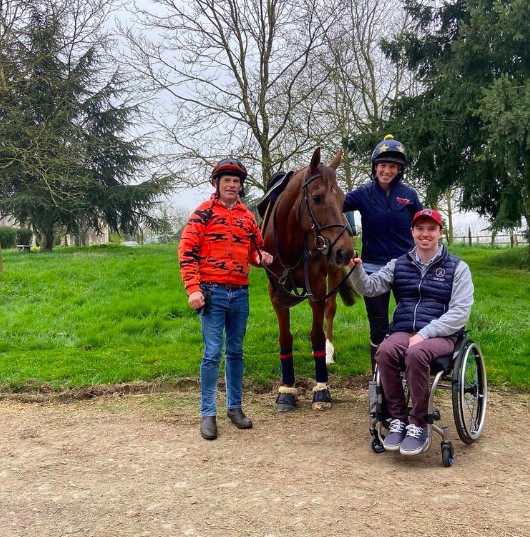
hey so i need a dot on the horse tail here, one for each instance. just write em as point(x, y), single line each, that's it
point(346, 291)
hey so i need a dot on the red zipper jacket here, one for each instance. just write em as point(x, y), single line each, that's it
point(217, 246)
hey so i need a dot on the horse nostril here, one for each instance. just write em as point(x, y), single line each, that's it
point(340, 258)
point(343, 256)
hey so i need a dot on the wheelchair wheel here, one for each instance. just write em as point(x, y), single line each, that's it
point(448, 455)
point(376, 445)
point(469, 392)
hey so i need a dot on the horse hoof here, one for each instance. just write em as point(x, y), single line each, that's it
point(285, 402)
point(321, 399)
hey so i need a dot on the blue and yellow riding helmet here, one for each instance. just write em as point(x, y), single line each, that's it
point(389, 150)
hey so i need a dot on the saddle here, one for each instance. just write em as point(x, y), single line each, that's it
point(275, 187)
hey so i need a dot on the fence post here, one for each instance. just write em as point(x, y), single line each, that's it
point(469, 236)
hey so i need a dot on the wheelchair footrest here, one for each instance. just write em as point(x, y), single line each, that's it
point(435, 416)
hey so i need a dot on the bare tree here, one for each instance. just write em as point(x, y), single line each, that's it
point(230, 75)
point(171, 219)
point(362, 81)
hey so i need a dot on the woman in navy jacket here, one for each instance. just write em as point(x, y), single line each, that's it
point(387, 207)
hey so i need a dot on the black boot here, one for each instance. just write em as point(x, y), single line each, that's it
point(238, 418)
point(209, 427)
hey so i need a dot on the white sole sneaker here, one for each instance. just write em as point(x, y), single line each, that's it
point(424, 447)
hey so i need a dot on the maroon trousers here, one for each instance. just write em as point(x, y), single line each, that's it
point(393, 356)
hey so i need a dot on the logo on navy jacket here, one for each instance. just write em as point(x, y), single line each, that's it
point(404, 201)
point(439, 274)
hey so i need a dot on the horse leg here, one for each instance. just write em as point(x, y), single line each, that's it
point(329, 313)
point(287, 393)
point(334, 278)
point(321, 394)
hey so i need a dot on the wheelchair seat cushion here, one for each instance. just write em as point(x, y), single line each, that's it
point(442, 363)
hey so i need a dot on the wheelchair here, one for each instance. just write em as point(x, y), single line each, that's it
point(463, 374)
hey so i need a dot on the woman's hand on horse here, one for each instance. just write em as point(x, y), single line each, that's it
point(196, 300)
point(355, 262)
point(266, 258)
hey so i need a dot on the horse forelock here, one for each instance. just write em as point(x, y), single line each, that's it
point(319, 176)
point(328, 174)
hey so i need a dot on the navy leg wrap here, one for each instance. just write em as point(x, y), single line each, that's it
point(321, 369)
point(287, 364)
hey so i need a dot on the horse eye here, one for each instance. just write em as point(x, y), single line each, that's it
point(317, 199)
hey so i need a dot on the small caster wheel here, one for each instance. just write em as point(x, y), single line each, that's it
point(376, 445)
point(448, 456)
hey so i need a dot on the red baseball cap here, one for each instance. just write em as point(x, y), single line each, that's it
point(429, 214)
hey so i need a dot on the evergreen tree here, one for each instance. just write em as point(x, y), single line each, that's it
point(65, 161)
point(470, 127)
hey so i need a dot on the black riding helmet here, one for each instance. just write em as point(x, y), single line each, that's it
point(228, 166)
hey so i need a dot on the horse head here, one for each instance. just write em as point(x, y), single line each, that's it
point(320, 211)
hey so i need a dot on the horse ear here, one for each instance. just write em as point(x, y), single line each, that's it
point(315, 159)
point(336, 159)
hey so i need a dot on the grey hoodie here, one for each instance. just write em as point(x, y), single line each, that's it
point(458, 312)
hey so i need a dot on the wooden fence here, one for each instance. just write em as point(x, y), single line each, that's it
point(511, 239)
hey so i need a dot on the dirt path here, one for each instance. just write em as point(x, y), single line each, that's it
point(136, 466)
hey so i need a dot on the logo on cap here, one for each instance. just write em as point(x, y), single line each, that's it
point(428, 213)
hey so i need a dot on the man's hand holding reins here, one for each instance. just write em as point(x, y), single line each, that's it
point(266, 258)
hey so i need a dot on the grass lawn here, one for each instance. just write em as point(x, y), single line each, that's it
point(78, 317)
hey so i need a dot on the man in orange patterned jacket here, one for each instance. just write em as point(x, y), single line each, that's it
point(219, 242)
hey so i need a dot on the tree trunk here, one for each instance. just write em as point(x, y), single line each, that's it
point(450, 230)
point(46, 241)
point(527, 208)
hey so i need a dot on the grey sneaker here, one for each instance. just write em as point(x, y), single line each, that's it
point(396, 434)
point(416, 440)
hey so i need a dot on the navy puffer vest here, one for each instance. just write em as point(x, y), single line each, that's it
point(420, 299)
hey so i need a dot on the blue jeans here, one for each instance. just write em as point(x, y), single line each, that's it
point(226, 319)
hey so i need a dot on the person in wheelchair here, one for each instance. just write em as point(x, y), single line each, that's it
point(434, 296)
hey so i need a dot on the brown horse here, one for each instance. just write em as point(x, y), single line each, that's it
point(308, 235)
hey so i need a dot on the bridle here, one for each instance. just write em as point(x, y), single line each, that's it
point(321, 245)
